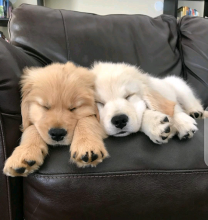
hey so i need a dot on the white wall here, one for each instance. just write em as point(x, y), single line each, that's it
point(104, 7)
point(5, 31)
point(199, 6)
point(19, 2)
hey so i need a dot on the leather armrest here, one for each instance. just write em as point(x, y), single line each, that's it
point(12, 61)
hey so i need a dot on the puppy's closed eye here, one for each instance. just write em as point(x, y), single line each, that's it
point(46, 107)
point(72, 109)
point(100, 103)
point(42, 104)
point(129, 96)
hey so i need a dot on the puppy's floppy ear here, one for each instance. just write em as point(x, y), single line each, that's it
point(26, 87)
point(157, 102)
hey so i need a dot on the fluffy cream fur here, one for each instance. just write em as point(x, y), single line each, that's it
point(122, 89)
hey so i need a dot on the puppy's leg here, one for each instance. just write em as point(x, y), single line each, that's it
point(87, 147)
point(157, 120)
point(186, 97)
point(188, 106)
point(184, 124)
point(27, 157)
point(157, 126)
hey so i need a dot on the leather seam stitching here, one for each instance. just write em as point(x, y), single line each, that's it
point(66, 36)
point(123, 175)
point(7, 179)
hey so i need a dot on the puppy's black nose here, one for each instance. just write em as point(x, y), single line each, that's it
point(57, 134)
point(120, 121)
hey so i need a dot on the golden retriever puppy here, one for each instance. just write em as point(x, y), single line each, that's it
point(130, 100)
point(58, 108)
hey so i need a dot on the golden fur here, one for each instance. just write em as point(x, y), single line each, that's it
point(57, 96)
point(157, 102)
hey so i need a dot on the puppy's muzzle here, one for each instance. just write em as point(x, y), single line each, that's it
point(120, 121)
point(57, 134)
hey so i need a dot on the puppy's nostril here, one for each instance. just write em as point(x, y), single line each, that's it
point(116, 122)
point(57, 134)
point(120, 121)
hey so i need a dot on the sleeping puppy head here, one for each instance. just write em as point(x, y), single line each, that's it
point(54, 98)
point(118, 93)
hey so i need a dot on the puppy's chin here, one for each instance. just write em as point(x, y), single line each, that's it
point(127, 130)
point(122, 134)
point(51, 143)
point(58, 146)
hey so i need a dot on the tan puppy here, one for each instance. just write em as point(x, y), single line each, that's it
point(57, 106)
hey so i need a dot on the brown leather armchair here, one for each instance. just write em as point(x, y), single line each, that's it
point(140, 180)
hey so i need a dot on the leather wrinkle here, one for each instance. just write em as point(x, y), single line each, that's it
point(35, 54)
point(11, 115)
point(66, 36)
point(7, 178)
point(197, 77)
point(196, 49)
point(184, 72)
point(171, 35)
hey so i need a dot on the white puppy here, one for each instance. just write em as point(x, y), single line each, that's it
point(123, 92)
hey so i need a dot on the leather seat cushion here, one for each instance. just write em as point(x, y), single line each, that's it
point(139, 179)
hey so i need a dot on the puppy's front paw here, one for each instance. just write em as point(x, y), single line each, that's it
point(86, 153)
point(199, 114)
point(196, 111)
point(196, 114)
point(185, 126)
point(23, 161)
point(158, 127)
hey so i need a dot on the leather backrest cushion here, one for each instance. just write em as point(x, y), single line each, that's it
point(194, 47)
point(61, 35)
